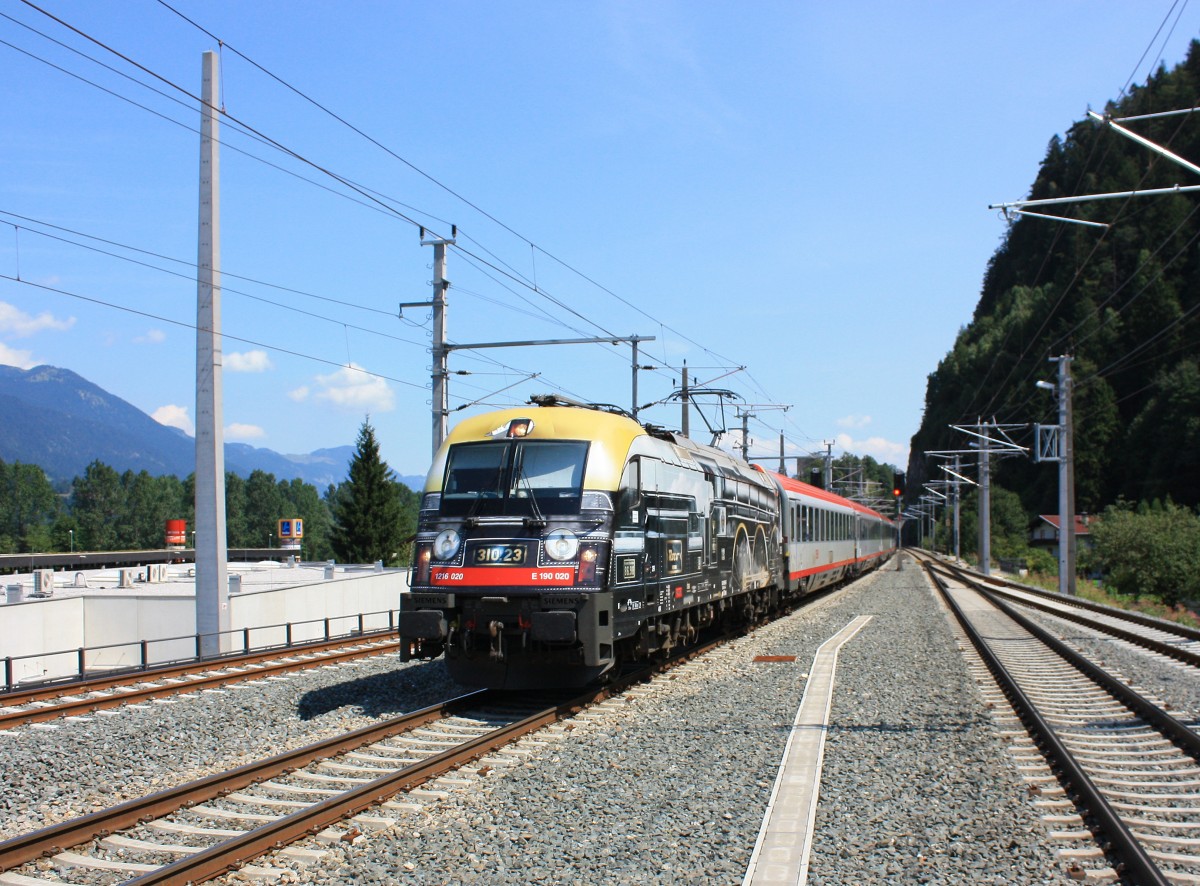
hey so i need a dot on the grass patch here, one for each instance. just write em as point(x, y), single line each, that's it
point(1089, 590)
point(1178, 613)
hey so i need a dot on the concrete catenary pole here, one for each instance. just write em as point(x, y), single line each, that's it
point(1066, 480)
point(686, 419)
point(212, 583)
point(957, 498)
point(634, 407)
point(985, 507)
point(441, 370)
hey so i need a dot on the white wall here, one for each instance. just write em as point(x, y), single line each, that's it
point(53, 630)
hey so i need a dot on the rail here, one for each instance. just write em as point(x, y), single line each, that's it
point(1134, 861)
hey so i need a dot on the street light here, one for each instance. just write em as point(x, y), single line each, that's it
point(71, 532)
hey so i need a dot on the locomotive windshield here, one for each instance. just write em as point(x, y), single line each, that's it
point(514, 478)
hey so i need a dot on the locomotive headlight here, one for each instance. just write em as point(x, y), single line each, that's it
point(561, 544)
point(423, 565)
point(446, 544)
point(587, 562)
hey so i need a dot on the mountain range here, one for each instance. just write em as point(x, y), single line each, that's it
point(60, 421)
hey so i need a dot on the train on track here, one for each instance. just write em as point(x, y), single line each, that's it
point(556, 542)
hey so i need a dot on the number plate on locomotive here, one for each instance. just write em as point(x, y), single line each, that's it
point(499, 555)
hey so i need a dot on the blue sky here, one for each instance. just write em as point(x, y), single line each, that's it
point(797, 188)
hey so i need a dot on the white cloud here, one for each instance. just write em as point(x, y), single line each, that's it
point(351, 387)
point(300, 394)
point(152, 337)
point(854, 421)
point(174, 417)
point(15, 322)
point(244, 432)
point(877, 447)
point(13, 357)
point(251, 361)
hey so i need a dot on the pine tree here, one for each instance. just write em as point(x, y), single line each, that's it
point(366, 508)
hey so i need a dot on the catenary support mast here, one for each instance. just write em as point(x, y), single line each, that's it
point(212, 583)
point(1066, 480)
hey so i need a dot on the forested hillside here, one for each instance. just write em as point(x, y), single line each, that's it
point(1123, 301)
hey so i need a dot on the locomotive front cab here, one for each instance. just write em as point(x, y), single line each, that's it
point(512, 551)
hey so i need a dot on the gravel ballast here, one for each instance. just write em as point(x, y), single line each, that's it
point(668, 784)
point(671, 785)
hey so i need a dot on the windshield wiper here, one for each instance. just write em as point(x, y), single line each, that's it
point(538, 520)
point(472, 517)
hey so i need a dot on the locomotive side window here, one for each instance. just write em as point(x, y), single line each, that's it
point(628, 499)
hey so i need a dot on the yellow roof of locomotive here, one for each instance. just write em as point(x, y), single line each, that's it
point(610, 436)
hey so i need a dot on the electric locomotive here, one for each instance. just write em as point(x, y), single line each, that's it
point(555, 541)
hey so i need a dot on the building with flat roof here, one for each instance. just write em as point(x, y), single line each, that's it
point(54, 623)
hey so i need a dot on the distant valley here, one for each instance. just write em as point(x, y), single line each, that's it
point(60, 421)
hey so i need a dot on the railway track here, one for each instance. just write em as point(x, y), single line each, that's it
point(1129, 771)
point(76, 698)
point(205, 828)
point(1168, 639)
point(338, 790)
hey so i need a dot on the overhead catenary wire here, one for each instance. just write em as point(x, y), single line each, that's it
point(224, 115)
point(438, 183)
point(225, 288)
point(499, 266)
point(1030, 394)
point(192, 326)
point(991, 405)
point(506, 269)
point(186, 263)
point(370, 198)
point(379, 203)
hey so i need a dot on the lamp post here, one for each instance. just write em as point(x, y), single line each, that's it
point(71, 532)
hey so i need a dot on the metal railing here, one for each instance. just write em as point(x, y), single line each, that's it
point(141, 655)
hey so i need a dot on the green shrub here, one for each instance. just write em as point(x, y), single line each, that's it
point(1153, 551)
